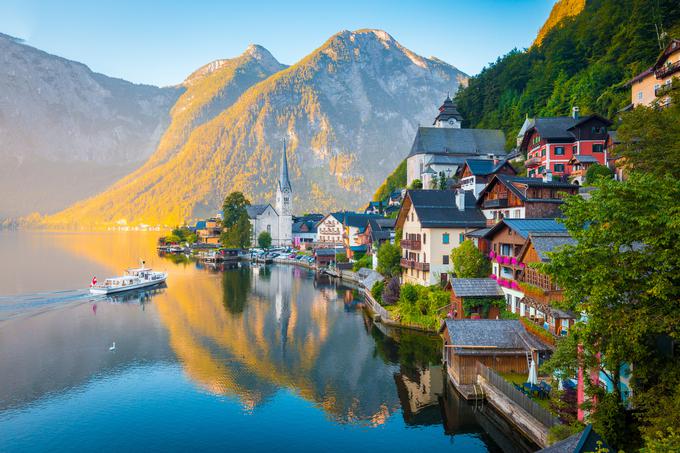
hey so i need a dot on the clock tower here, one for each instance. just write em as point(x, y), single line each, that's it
point(284, 202)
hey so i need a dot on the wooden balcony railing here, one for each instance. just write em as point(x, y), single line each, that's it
point(667, 70)
point(410, 244)
point(422, 266)
point(407, 264)
point(533, 162)
point(496, 203)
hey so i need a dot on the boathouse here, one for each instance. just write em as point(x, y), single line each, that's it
point(479, 293)
point(503, 345)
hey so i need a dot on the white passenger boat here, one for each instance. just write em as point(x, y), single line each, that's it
point(141, 277)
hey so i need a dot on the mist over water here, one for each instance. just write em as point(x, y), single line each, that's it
point(218, 359)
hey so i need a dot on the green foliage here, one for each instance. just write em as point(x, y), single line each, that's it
point(482, 305)
point(562, 431)
point(650, 138)
point(389, 256)
point(663, 441)
point(422, 305)
point(173, 239)
point(180, 235)
point(596, 172)
point(233, 208)
point(377, 290)
point(239, 234)
point(416, 184)
point(584, 62)
point(628, 240)
point(392, 291)
point(264, 240)
point(469, 262)
point(341, 258)
point(395, 180)
point(365, 261)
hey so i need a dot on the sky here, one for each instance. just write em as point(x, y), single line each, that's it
point(160, 43)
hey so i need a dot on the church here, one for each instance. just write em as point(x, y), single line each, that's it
point(278, 220)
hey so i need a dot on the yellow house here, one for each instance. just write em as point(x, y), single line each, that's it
point(434, 222)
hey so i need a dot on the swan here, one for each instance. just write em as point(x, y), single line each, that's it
point(113, 347)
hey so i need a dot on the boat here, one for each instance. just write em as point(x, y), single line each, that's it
point(141, 277)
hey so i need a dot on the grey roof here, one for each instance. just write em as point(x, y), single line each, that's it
point(585, 159)
point(310, 225)
point(448, 110)
point(484, 167)
point(354, 219)
point(328, 252)
point(437, 209)
point(503, 334)
point(511, 182)
point(545, 243)
point(478, 233)
point(284, 181)
point(584, 441)
point(558, 128)
point(447, 140)
point(524, 227)
point(476, 287)
point(255, 210)
point(381, 229)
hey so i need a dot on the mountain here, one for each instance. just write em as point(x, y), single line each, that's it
point(67, 132)
point(348, 111)
point(560, 11)
point(586, 61)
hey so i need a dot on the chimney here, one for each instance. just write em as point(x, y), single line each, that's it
point(574, 112)
point(460, 199)
point(547, 177)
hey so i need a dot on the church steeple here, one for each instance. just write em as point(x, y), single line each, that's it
point(284, 181)
point(449, 116)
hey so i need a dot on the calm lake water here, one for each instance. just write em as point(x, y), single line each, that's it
point(230, 359)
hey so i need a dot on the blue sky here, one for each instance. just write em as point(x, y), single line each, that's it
point(162, 42)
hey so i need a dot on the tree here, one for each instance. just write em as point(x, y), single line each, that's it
point(264, 240)
point(623, 273)
point(233, 208)
point(469, 262)
point(416, 184)
point(596, 172)
point(434, 182)
point(391, 292)
point(389, 257)
point(239, 234)
point(443, 181)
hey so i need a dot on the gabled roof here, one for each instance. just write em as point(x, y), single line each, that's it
point(304, 226)
point(485, 167)
point(476, 287)
point(493, 334)
point(546, 242)
point(524, 227)
point(200, 225)
point(354, 219)
point(451, 141)
point(255, 210)
point(437, 209)
point(584, 159)
point(478, 233)
point(448, 110)
point(559, 128)
point(381, 229)
point(517, 185)
point(672, 47)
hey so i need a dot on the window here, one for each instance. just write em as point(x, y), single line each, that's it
point(541, 169)
point(640, 95)
point(543, 152)
point(445, 238)
point(656, 86)
point(597, 148)
point(559, 150)
point(506, 250)
point(461, 238)
point(559, 167)
point(424, 238)
point(445, 259)
point(269, 229)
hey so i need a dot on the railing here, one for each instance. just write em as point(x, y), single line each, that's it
point(422, 266)
point(667, 70)
point(408, 264)
point(664, 89)
point(519, 398)
point(496, 203)
point(410, 244)
point(533, 162)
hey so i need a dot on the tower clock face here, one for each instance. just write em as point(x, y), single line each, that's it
point(452, 121)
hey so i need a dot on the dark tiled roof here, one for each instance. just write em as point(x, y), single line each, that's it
point(557, 128)
point(507, 334)
point(484, 167)
point(524, 227)
point(475, 287)
point(446, 140)
point(304, 226)
point(584, 159)
point(511, 183)
point(545, 243)
point(478, 233)
point(448, 110)
point(255, 210)
point(437, 209)
point(328, 252)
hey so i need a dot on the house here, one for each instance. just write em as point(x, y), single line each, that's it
point(475, 174)
point(375, 207)
point(579, 165)
point(505, 242)
point(540, 292)
point(514, 197)
point(209, 231)
point(325, 256)
point(652, 86)
point(329, 230)
point(305, 229)
point(585, 441)
point(377, 232)
point(354, 225)
point(503, 345)
point(395, 197)
point(551, 142)
point(473, 290)
point(434, 222)
point(443, 148)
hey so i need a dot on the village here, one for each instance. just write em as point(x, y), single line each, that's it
point(460, 250)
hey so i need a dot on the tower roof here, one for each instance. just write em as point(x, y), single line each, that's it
point(284, 181)
point(447, 111)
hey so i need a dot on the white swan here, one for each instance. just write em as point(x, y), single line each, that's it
point(113, 347)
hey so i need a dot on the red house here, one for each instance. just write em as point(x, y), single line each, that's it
point(550, 143)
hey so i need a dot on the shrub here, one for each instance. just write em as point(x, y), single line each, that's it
point(392, 291)
point(377, 290)
point(341, 258)
point(596, 172)
point(365, 261)
point(389, 256)
point(469, 262)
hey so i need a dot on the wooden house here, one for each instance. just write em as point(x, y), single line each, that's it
point(472, 291)
point(476, 173)
point(653, 86)
point(503, 345)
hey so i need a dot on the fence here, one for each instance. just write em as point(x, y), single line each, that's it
point(519, 398)
point(375, 306)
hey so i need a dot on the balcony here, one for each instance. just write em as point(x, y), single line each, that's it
point(423, 266)
point(496, 203)
point(410, 244)
point(407, 263)
point(664, 89)
point(667, 70)
point(533, 162)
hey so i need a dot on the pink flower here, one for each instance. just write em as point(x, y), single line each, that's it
point(522, 264)
point(493, 276)
point(514, 285)
point(513, 260)
point(492, 255)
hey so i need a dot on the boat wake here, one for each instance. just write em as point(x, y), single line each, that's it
point(27, 304)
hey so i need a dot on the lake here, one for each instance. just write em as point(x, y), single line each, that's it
point(219, 359)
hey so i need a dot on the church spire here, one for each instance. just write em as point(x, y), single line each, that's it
point(284, 181)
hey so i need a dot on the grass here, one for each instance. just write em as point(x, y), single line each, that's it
point(520, 379)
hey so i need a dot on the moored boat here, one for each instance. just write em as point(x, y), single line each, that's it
point(141, 277)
